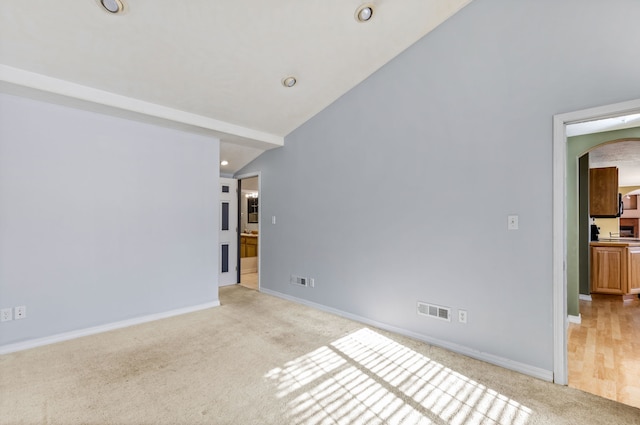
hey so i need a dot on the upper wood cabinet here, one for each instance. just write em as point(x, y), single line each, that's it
point(603, 192)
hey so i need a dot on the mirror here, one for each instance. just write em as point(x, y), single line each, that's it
point(252, 210)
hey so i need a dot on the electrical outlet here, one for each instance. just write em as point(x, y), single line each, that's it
point(21, 312)
point(312, 282)
point(462, 316)
point(5, 315)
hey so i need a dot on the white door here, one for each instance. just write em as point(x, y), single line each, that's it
point(228, 251)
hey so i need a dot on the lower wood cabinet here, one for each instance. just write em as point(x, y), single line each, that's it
point(608, 264)
point(615, 269)
point(633, 282)
point(248, 246)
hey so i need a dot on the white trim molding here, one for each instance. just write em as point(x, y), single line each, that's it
point(530, 370)
point(66, 336)
point(585, 297)
point(575, 319)
point(560, 121)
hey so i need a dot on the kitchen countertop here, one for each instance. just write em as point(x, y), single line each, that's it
point(616, 242)
point(249, 235)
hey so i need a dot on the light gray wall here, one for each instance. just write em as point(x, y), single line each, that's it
point(439, 147)
point(101, 219)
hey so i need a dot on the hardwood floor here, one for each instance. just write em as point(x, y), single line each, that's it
point(249, 280)
point(604, 350)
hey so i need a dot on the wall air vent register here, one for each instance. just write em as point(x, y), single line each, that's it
point(298, 280)
point(435, 311)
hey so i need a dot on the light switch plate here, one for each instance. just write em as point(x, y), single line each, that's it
point(512, 223)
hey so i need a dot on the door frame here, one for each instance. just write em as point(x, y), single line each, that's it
point(559, 250)
point(240, 177)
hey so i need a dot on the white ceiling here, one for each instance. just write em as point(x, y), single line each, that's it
point(209, 66)
point(625, 155)
point(606, 124)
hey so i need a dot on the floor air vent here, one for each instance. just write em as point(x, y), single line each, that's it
point(298, 280)
point(435, 311)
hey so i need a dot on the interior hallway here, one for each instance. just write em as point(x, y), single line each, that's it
point(604, 350)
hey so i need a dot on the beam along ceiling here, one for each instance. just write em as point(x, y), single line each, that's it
point(215, 67)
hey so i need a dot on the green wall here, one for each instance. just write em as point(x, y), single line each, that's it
point(576, 147)
point(584, 233)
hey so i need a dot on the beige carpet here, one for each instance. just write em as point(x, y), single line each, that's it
point(261, 360)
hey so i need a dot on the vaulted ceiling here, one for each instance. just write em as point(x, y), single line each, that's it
point(209, 66)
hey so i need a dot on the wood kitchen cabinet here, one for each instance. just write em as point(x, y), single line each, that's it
point(633, 282)
point(248, 246)
point(615, 268)
point(608, 264)
point(603, 192)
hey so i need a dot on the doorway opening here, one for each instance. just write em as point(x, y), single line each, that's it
point(249, 234)
point(602, 357)
point(565, 228)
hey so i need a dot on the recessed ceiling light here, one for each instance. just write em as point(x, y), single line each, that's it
point(289, 81)
point(224, 162)
point(364, 13)
point(113, 6)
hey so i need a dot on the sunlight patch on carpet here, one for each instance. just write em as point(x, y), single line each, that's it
point(367, 378)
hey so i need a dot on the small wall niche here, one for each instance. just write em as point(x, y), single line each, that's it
point(630, 202)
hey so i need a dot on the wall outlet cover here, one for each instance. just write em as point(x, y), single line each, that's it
point(6, 314)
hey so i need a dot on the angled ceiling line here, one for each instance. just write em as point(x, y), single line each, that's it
point(32, 80)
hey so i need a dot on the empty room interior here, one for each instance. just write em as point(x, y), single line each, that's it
point(319, 212)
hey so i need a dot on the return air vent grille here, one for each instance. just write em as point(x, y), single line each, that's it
point(435, 311)
point(299, 280)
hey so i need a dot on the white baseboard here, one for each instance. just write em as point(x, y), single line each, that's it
point(585, 297)
point(575, 319)
point(65, 336)
point(536, 372)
